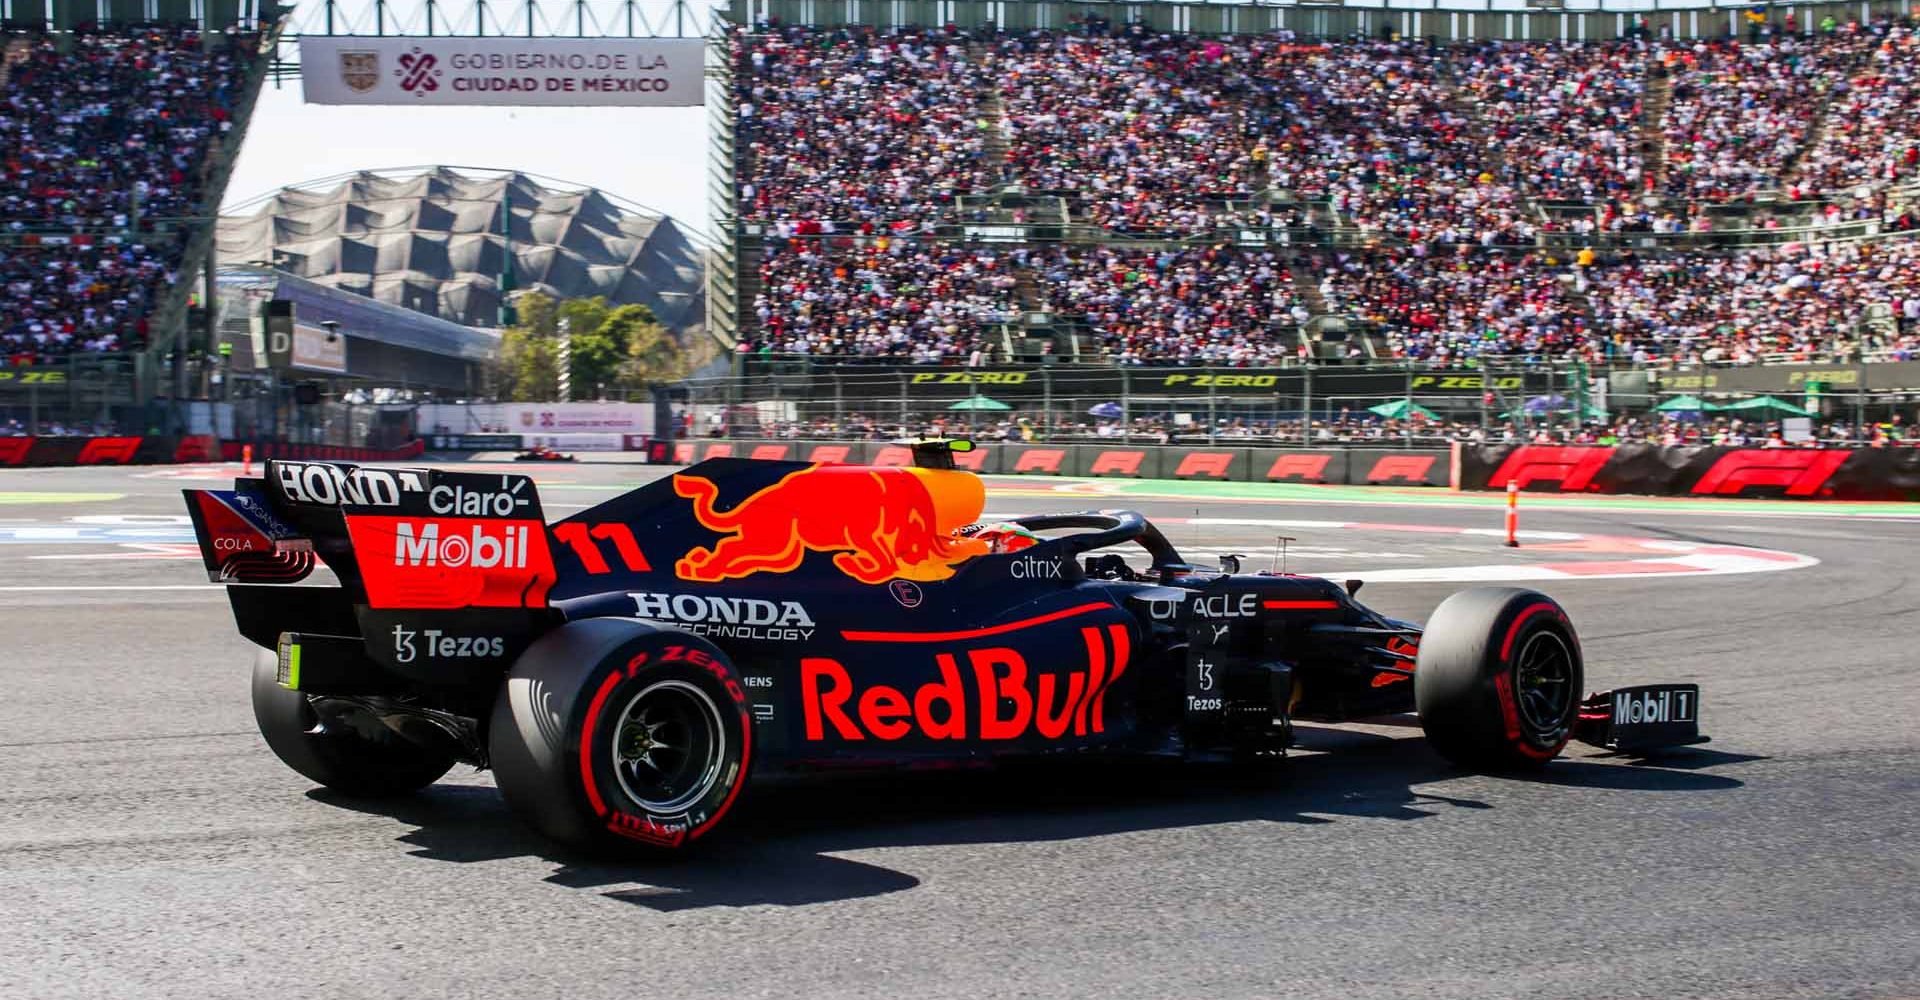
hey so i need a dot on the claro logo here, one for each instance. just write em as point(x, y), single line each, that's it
point(481, 546)
point(995, 696)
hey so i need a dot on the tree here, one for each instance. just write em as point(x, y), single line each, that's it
point(616, 348)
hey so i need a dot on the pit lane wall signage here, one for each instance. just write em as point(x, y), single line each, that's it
point(1794, 473)
point(1345, 466)
point(517, 72)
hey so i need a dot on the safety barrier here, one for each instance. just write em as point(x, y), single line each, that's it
point(1350, 466)
point(1802, 473)
point(108, 450)
point(263, 450)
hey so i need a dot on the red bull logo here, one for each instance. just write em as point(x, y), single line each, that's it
point(880, 524)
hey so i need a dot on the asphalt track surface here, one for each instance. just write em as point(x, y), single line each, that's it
point(151, 845)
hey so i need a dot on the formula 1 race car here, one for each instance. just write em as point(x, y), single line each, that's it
point(623, 671)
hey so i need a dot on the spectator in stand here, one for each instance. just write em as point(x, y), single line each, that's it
point(99, 142)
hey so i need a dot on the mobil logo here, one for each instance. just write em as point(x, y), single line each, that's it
point(480, 544)
point(878, 524)
point(451, 562)
point(988, 693)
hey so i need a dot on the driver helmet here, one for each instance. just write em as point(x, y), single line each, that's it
point(1006, 537)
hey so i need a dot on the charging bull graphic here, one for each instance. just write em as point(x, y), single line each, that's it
point(881, 524)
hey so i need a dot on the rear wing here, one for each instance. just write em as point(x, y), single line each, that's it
point(396, 538)
point(439, 572)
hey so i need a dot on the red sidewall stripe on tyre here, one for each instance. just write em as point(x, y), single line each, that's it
point(586, 749)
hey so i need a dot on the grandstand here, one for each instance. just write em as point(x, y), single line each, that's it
point(1251, 186)
point(115, 144)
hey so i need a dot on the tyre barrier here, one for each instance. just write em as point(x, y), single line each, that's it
point(1661, 470)
point(1344, 466)
point(107, 450)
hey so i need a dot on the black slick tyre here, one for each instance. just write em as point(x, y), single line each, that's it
point(346, 761)
point(1498, 678)
point(612, 734)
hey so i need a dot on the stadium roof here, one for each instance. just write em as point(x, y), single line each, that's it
point(429, 239)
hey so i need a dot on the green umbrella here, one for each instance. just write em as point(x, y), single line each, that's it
point(1763, 404)
point(979, 403)
point(1400, 409)
point(1682, 404)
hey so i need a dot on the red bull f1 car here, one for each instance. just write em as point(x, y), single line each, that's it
point(624, 671)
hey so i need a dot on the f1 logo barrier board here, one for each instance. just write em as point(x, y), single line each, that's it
point(1799, 473)
point(121, 450)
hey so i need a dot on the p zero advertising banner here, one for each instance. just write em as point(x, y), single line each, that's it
point(551, 72)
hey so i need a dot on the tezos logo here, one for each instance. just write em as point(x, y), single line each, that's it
point(445, 647)
point(906, 593)
point(483, 547)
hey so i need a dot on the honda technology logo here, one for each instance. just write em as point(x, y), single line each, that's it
point(1646, 707)
point(484, 546)
point(729, 617)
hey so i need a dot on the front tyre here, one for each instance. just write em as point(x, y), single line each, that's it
point(346, 761)
point(613, 733)
point(1498, 678)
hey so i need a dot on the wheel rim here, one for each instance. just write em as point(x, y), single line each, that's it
point(668, 746)
point(1543, 682)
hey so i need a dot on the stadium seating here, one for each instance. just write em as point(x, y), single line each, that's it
point(1630, 200)
point(104, 136)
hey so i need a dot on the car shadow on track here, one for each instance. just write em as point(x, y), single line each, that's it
point(780, 848)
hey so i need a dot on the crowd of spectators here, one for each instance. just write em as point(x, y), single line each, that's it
point(1215, 306)
point(852, 126)
point(1437, 161)
point(877, 296)
point(1454, 304)
point(104, 136)
point(1796, 302)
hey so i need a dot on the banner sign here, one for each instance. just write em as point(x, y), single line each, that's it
point(1149, 388)
point(549, 72)
point(535, 418)
point(1876, 377)
point(1797, 473)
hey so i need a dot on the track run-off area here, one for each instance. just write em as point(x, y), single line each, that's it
point(151, 845)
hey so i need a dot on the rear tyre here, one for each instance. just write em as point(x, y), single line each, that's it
point(1498, 679)
point(346, 761)
point(618, 734)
